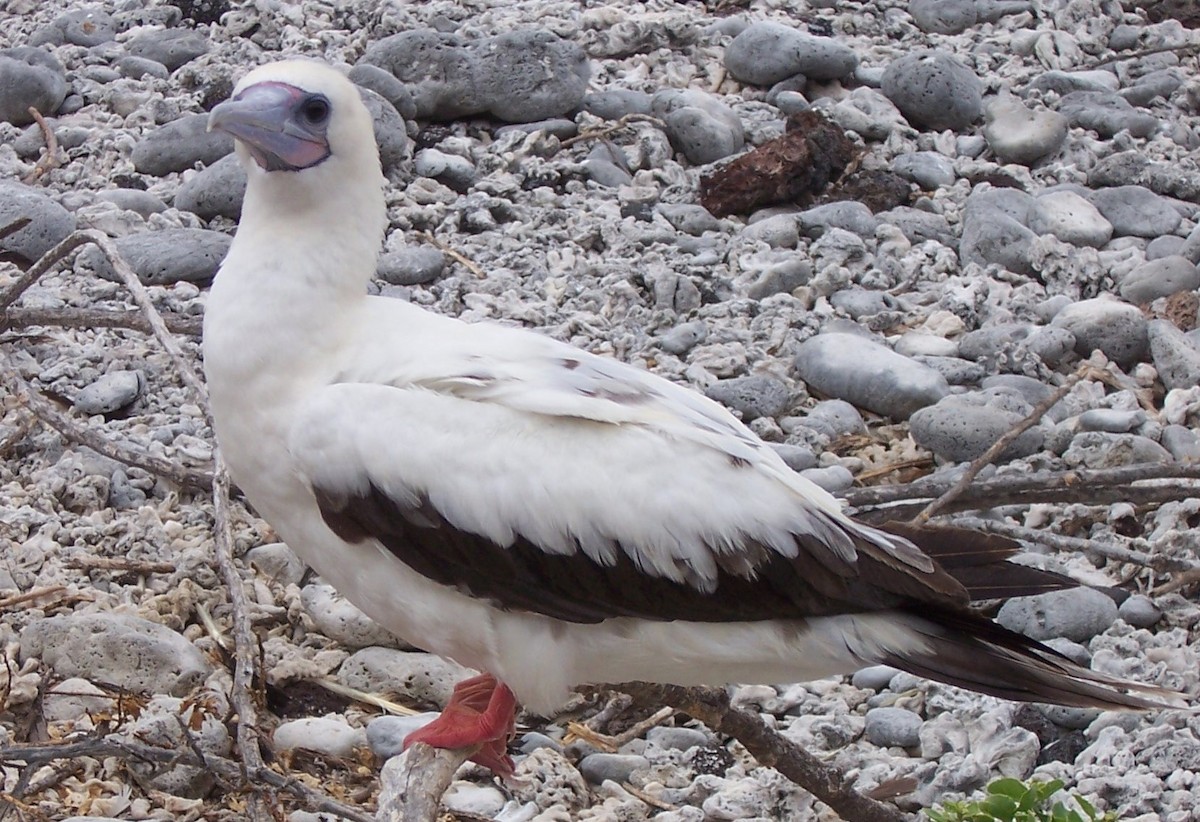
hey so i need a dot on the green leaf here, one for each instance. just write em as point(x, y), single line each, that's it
point(1012, 788)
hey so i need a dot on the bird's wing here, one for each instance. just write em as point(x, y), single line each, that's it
point(545, 479)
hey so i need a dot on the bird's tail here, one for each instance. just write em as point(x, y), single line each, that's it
point(968, 650)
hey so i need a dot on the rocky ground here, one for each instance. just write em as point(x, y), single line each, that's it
point(1021, 191)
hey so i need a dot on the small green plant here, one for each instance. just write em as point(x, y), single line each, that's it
point(1011, 800)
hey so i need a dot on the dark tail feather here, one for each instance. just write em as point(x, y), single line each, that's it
point(972, 652)
point(979, 561)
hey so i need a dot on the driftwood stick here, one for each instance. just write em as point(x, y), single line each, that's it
point(412, 784)
point(49, 159)
point(98, 318)
point(604, 131)
point(47, 261)
point(773, 750)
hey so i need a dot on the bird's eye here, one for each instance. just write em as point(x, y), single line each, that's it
point(315, 110)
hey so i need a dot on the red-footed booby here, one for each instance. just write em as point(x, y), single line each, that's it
point(537, 512)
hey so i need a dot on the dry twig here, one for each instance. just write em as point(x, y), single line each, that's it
point(87, 562)
point(31, 595)
point(617, 125)
point(455, 254)
point(773, 750)
point(413, 783)
point(49, 159)
point(97, 318)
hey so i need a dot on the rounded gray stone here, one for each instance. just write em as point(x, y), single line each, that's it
point(893, 728)
point(874, 677)
point(847, 215)
point(699, 124)
point(180, 144)
point(30, 78)
point(680, 339)
point(341, 620)
point(1136, 211)
point(132, 199)
point(1176, 359)
point(1159, 278)
point(1019, 134)
point(996, 238)
point(765, 53)
point(277, 562)
point(833, 478)
point(1106, 114)
point(168, 256)
point(1113, 420)
point(919, 226)
point(1077, 614)
point(679, 739)
point(49, 223)
point(385, 84)
point(171, 47)
point(1182, 442)
point(452, 170)
point(85, 27)
point(216, 191)
point(689, 218)
point(944, 16)
point(928, 169)
point(1140, 611)
point(613, 104)
point(136, 68)
point(423, 677)
point(959, 432)
point(110, 393)
point(126, 651)
point(1070, 218)
point(934, 90)
point(797, 457)
point(391, 132)
point(1168, 245)
point(411, 266)
point(328, 735)
point(1100, 449)
point(1115, 328)
point(753, 396)
point(867, 374)
point(598, 768)
point(386, 734)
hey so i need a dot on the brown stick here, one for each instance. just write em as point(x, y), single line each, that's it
point(773, 750)
point(604, 131)
point(49, 159)
point(125, 564)
point(413, 783)
point(455, 255)
point(98, 318)
point(44, 264)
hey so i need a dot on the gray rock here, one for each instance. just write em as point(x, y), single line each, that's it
point(1169, 245)
point(29, 78)
point(1118, 329)
point(110, 393)
point(1140, 611)
point(530, 742)
point(919, 226)
point(1064, 82)
point(327, 735)
point(617, 103)
point(85, 27)
point(411, 266)
point(1018, 134)
point(339, 619)
point(928, 169)
point(1009, 202)
point(753, 396)
point(391, 132)
point(781, 278)
point(1156, 84)
point(955, 370)
point(1076, 613)
point(518, 76)
point(171, 47)
point(699, 124)
point(605, 173)
point(998, 239)
point(834, 418)
point(132, 199)
point(1159, 278)
point(865, 111)
point(180, 144)
point(164, 257)
point(600, 767)
point(960, 431)
point(560, 127)
point(846, 214)
point(451, 170)
point(860, 303)
point(385, 84)
point(386, 734)
point(797, 457)
point(944, 16)
point(49, 223)
point(1112, 420)
point(123, 495)
point(1070, 218)
point(893, 728)
point(125, 651)
point(934, 90)
point(834, 478)
point(168, 722)
point(680, 339)
point(135, 68)
point(1098, 449)
point(678, 739)
point(867, 374)
point(689, 218)
point(1176, 359)
point(422, 677)
point(277, 562)
point(216, 191)
point(765, 53)
point(1191, 246)
point(1182, 442)
point(1106, 114)
point(874, 677)
point(1135, 211)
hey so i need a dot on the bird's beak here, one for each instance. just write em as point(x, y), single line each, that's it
point(266, 119)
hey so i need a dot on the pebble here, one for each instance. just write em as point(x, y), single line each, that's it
point(467, 798)
point(1136, 211)
point(386, 734)
point(49, 223)
point(1182, 443)
point(385, 84)
point(680, 339)
point(163, 257)
point(959, 430)
point(920, 226)
point(1113, 420)
point(867, 374)
point(131, 199)
point(170, 47)
point(613, 104)
point(391, 132)
point(416, 265)
point(73, 699)
point(85, 27)
point(893, 728)
point(216, 191)
point(928, 169)
point(1140, 611)
point(846, 215)
point(1106, 114)
point(834, 418)
point(1169, 245)
point(1018, 134)
point(422, 677)
point(1176, 359)
point(1070, 218)
point(450, 170)
point(934, 90)
point(30, 77)
point(110, 393)
point(797, 457)
point(678, 739)
point(699, 124)
point(765, 53)
point(998, 239)
point(753, 396)
point(1077, 614)
point(277, 562)
point(179, 145)
point(1098, 449)
point(833, 478)
point(874, 677)
point(519, 76)
point(340, 620)
point(599, 767)
point(326, 735)
point(136, 68)
point(123, 650)
point(1161, 277)
point(864, 111)
point(1115, 328)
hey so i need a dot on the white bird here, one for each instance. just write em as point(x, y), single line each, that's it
point(531, 510)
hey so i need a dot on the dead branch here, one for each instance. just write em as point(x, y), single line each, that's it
point(413, 783)
point(49, 159)
point(773, 750)
point(454, 254)
point(998, 447)
point(87, 562)
point(13, 227)
point(87, 318)
point(29, 596)
point(47, 261)
point(617, 125)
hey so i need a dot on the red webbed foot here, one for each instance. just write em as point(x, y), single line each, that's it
point(481, 714)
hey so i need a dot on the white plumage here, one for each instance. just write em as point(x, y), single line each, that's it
point(324, 397)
